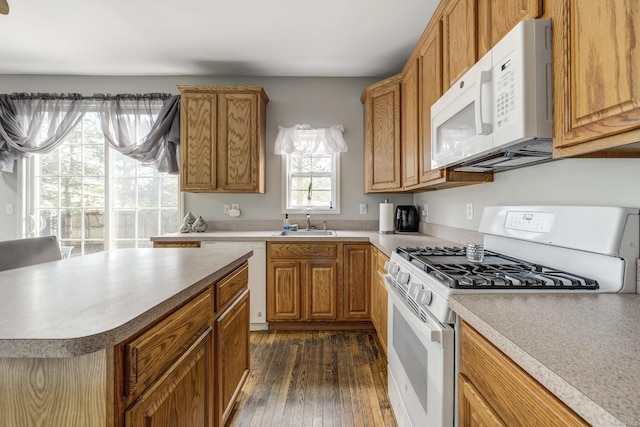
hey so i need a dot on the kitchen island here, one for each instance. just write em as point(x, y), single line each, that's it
point(582, 348)
point(96, 339)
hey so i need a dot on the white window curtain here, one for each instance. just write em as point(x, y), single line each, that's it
point(35, 124)
point(143, 127)
point(326, 140)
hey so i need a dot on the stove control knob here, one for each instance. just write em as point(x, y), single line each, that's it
point(425, 297)
point(403, 278)
point(393, 268)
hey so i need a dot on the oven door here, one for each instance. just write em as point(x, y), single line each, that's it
point(421, 366)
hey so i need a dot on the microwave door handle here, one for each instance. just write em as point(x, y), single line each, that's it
point(481, 127)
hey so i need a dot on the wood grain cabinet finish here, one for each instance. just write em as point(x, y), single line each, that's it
point(184, 244)
point(231, 286)
point(382, 168)
point(459, 20)
point(493, 387)
point(356, 282)
point(497, 17)
point(596, 68)
point(183, 396)
point(222, 134)
point(232, 355)
point(410, 115)
point(302, 281)
point(379, 298)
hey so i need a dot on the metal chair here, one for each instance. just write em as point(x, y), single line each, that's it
point(25, 252)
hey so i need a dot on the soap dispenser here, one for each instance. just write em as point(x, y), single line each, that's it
point(286, 226)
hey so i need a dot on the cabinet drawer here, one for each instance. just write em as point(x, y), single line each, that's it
point(381, 260)
point(515, 396)
point(185, 244)
point(154, 351)
point(303, 250)
point(231, 286)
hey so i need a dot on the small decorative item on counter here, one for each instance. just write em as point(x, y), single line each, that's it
point(200, 225)
point(293, 227)
point(185, 228)
point(189, 218)
point(286, 226)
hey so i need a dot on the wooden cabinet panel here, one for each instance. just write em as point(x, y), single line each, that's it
point(497, 17)
point(222, 138)
point(515, 396)
point(185, 244)
point(382, 136)
point(238, 145)
point(474, 411)
point(183, 396)
point(459, 39)
point(596, 76)
point(232, 356)
point(151, 353)
point(379, 299)
point(322, 283)
point(306, 250)
point(198, 124)
point(231, 286)
point(410, 130)
point(284, 290)
point(356, 281)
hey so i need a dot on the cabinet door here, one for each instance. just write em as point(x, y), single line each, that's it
point(382, 138)
point(382, 302)
point(238, 153)
point(410, 131)
point(459, 39)
point(473, 409)
point(356, 281)
point(497, 17)
point(375, 318)
point(232, 355)
point(283, 290)
point(430, 84)
point(596, 76)
point(198, 124)
point(183, 396)
point(321, 289)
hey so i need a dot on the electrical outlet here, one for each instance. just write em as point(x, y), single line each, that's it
point(425, 210)
point(227, 206)
point(469, 210)
point(8, 208)
point(363, 208)
point(235, 206)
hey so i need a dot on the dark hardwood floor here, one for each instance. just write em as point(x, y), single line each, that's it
point(317, 378)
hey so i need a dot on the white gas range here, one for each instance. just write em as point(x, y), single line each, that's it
point(527, 249)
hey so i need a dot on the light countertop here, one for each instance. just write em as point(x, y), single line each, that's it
point(84, 304)
point(385, 242)
point(584, 348)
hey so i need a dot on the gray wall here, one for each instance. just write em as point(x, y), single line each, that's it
point(316, 101)
point(599, 182)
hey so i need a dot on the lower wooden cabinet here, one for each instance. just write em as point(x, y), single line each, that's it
point(183, 396)
point(379, 297)
point(318, 282)
point(494, 390)
point(232, 355)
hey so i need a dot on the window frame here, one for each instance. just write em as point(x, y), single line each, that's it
point(286, 193)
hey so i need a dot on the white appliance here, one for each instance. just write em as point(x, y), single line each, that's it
point(257, 280)
point(527, 249)
point(498, 116)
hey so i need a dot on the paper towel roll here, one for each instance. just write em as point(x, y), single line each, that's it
point(386, 218)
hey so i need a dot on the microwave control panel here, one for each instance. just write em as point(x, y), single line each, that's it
point(505, 92)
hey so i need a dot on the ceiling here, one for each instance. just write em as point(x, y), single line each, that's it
point(211, 37)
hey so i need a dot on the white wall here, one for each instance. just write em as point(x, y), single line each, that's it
point(599, 182)
point(317, 101)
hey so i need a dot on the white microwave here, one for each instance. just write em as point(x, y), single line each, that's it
point(498, 116)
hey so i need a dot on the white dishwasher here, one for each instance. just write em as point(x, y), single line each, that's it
point(257, 280)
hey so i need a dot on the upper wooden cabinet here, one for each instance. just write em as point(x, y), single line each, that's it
point(410, 125)
point(459, 39)
point(382, 136)
point(596, 78)
point(222, 138)
point(497, 17)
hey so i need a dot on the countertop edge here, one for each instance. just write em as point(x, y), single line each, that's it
point(72, 347)
point(567, 393)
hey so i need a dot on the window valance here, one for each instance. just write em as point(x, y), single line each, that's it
point(325, 140)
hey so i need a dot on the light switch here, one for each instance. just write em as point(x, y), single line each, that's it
point(363, 208)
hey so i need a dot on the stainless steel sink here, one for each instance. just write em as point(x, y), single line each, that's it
point(307, 233)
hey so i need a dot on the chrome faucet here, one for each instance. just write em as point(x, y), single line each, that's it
point(308, 222)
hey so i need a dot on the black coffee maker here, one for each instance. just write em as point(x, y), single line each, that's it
point(406, 219)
